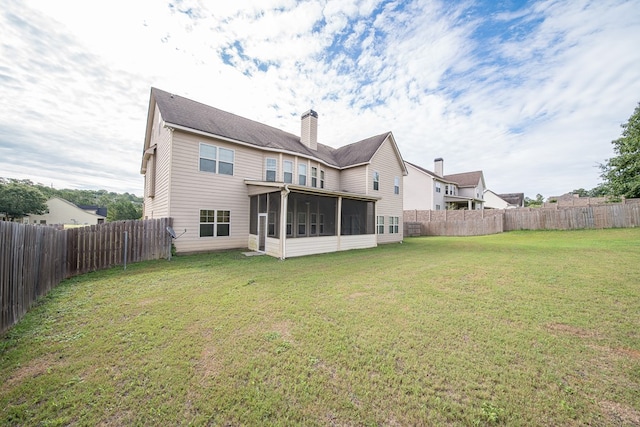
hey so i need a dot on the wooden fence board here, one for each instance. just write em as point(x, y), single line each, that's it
point(473, 223)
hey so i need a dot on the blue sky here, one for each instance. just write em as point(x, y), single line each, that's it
point(531, 93)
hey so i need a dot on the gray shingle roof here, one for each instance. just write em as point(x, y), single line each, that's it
point(513, 198)
point(465, 179)
point(184, 112)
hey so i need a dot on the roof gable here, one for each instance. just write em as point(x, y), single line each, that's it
point(513, 198)
point(466, 179)
point(192, 115)
point(428, 172)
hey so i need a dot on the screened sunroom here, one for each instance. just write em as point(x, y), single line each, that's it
point(288, 220)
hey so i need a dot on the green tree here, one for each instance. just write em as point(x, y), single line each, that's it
point(122, 208)
point(621, 173)
point(18, 199)
point(534, 203)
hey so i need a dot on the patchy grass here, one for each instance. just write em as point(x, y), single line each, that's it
point(521, 328)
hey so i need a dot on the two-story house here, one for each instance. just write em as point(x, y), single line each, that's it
point(230, 182)
point(427, 190)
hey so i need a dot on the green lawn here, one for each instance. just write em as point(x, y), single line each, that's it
point(520, 328)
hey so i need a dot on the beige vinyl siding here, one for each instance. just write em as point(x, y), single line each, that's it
point(272, 247)
point(438, 198)
point(386, 163)
point(418, 190)
point(355, 180)
point(158, 206)
point(311, 245)
point(192, 190)
point(326, 244)
point(331, 178)
point(361, 241)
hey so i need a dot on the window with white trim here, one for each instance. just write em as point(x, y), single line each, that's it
point(289, 223)
point(376, 181)
point(380, 224)
point(215, 223)
point(271, 224)
point(302, 173)
point(271, 171)
point(321, 178)
point(225, 161)
point(208, 157)
point(287, 166)
point(314, 176)
point(394, 221)
point(215, 159)
point(438, 189)
point(313, 223)
point(302, 223)
point(396, 185)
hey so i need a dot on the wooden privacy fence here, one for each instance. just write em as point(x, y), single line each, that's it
point(573, 218)
point(34, 259)
point(492, 221)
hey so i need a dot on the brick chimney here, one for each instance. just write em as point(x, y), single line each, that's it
point(438, 166)
point(309, 133)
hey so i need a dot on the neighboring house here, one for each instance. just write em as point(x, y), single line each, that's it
point(230, 182)
point(503, 201)
point(62, 212)
point(427, 190)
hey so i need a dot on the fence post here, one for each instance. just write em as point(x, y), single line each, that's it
point(126, 239)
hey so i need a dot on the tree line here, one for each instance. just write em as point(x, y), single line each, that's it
point(22, 197)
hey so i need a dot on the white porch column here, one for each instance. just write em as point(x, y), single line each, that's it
point(284, 201)
point(339, 221)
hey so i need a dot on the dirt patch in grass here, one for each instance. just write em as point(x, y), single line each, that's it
point(357, 295)
point(33, 369)
point(572, 330)
point(628, 352)
point(208, 366)
point(283, 328)
point(620, 414)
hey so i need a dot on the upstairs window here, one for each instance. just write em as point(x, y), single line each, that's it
point(314, 177)
point(225, 163)
point(302, 174)
point(208, 157)
point(396, 185)
point(288, 171)
point(271, 171)
point(376, 181)
point(321, 179)
point(216, 159)
point(438, 189)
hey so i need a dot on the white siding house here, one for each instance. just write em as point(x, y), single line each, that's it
point(230, 182)
point(427, 190)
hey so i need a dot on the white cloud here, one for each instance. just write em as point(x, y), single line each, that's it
point(534, 103)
